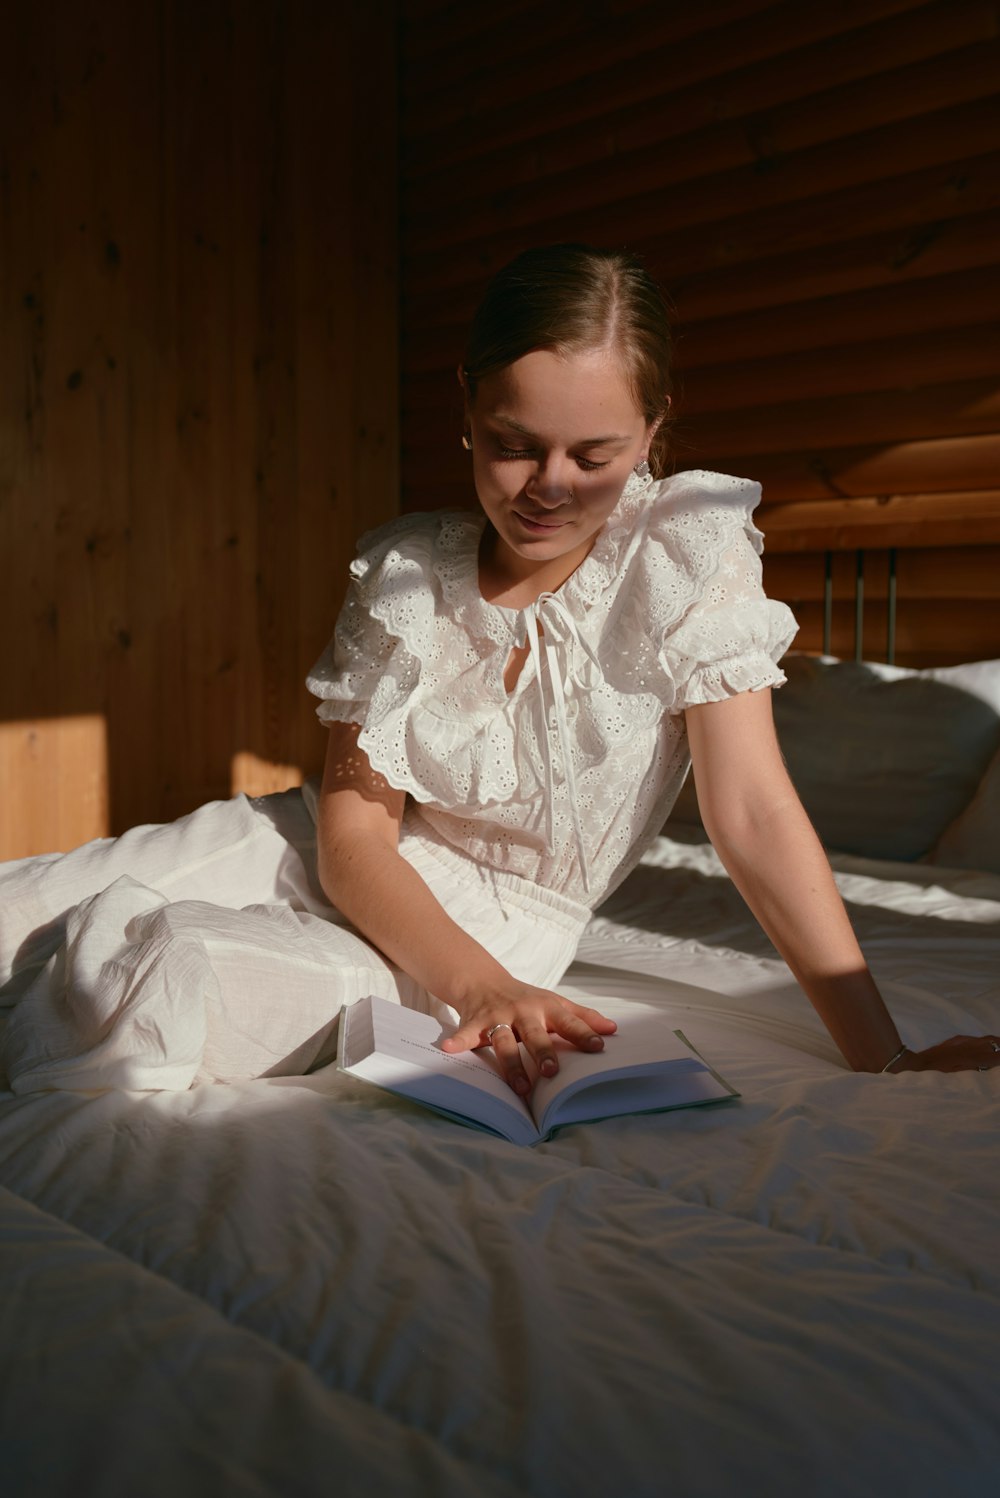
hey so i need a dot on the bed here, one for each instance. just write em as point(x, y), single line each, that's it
point(303, 1285)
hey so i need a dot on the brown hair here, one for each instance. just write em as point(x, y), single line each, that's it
point(571, 297)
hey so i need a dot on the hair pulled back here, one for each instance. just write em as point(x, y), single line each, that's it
point(571, 298)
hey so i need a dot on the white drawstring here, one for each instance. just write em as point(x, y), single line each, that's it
point(558, 622)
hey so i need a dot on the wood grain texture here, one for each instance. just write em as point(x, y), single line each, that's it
point(818, 190)
point(197, 378)
point(916, 522)
point(884, 67)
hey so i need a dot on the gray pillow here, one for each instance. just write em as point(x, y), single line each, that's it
point(884, 758)
point(972, 841)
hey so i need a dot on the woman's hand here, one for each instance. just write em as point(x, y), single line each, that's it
point(960, 1053)
point(528, 1015)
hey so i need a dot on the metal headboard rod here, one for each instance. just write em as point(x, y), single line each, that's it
point(859, 606)
point(886, 523)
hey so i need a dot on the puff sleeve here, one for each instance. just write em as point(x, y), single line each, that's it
point(731, 636)
point(365, 661)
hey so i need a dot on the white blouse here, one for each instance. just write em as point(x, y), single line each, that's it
point(565, 779)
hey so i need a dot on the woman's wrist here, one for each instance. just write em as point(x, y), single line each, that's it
point(481, 985)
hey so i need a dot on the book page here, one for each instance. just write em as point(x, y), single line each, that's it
point(400, 1049)
point(642, 1045)
point(654, 1090)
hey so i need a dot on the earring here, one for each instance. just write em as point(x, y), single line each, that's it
point(467, 442)
point(641, 469)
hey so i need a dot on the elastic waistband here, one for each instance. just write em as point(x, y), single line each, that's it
point(512, 889)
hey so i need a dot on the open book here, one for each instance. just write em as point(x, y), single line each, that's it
point(645, 1067)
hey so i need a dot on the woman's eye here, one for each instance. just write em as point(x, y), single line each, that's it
point(514, 454)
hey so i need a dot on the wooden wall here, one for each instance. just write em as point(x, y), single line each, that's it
point(818, 187)
point(198, 391)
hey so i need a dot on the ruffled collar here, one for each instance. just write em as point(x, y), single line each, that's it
point(456, 563)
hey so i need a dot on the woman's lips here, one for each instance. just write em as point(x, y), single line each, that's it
point(539, 525)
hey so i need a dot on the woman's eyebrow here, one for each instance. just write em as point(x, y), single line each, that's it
point(508, 421)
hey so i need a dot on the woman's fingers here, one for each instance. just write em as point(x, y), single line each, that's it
point(466, 1037)
point(539, 1048)
point(593, 1018)
point(532, 1021)
point(959, 1053)
point(508, 1053)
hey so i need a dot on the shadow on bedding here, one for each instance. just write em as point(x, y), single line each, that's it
point(683, 905)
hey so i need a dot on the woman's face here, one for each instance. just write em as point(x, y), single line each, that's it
point(554, 438)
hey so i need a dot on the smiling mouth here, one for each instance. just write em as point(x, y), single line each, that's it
point(540, 525)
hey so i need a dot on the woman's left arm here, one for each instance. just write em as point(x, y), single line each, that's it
point(768, 845)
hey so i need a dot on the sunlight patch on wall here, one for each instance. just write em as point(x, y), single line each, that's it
point(254, 776)
point(53, 784)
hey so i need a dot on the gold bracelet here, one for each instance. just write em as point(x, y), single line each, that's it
point(892, 1062)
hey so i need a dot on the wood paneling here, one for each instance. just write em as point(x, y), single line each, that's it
point(197, 391)
point(818, 189)
point(912, 521)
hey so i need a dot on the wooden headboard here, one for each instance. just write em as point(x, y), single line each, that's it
point(912, 578)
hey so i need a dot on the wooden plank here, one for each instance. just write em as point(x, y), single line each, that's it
point(632, 63)
point(941, 245)
point(53, 784)
point(883, 55)
point(880, 312)
point(861, 132)
point(435, 27)
point(197, 393)
point(444, 45)
point(947, 466)
point(966, 408)
point(902, 201)
point(925, 357)
point(963, 518)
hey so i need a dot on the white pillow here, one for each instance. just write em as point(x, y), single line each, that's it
point(885, 758)
point(973, 839)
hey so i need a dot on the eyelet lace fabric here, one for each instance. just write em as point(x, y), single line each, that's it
point(565, 779)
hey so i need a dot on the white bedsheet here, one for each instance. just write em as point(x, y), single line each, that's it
point(303, 1285)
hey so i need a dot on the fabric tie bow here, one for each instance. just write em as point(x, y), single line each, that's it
point(571, 664)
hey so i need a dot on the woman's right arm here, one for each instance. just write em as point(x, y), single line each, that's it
point(367, 879)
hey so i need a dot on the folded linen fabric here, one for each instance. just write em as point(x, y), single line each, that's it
point(147, 994)
point(237, 852)
point(204, 950)
point(91, 1018)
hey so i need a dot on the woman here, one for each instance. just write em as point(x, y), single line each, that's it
point(511, 700)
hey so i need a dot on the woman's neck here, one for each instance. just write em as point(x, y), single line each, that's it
point(514, 582)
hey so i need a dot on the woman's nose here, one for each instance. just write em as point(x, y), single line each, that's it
point(552, 483)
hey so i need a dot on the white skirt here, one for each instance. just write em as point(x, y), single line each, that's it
point(204, 950)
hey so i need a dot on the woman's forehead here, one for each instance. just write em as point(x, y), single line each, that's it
point(585, 391)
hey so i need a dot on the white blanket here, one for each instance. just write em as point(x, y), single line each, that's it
point(295, 1285)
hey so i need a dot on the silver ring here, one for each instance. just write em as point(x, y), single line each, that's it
point(503, 1025)
point(994, 1045)
point(982, 1068)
